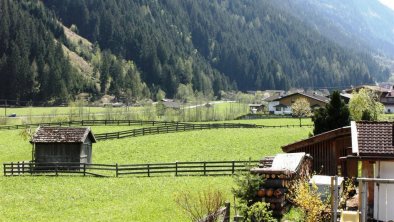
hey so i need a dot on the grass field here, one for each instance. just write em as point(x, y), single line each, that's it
point(131, 199)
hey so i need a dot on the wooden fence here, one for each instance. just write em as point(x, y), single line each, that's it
point(203, 168)
point(90, 123)
point(176, 127)
point(136, 122)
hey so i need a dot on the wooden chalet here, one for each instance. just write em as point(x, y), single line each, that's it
point(62, 144)
point(283, 104)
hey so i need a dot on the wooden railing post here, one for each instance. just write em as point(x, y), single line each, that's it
point(117, 170)
point(12, 168)
point(176, 168)
point(23, 167)
point(84, 169)
point(227, 212)
point(148, 170)
point(4, 169)
point(233, 167)
point(18, 167)
point(205, 168)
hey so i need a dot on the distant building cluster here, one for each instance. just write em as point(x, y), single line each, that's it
point(279, 102)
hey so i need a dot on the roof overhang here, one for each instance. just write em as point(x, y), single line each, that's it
point(340, 132)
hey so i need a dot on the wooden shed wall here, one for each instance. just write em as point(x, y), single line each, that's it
point(57, 152)
point(326, 154)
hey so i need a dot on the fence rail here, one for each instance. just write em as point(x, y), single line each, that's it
point(127, 123)
point(203, 168)
point(176, 127)
point(90, 123)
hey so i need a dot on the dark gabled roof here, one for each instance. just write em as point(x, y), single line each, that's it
point(62, 135)
point(272, 98)
point(375, 138)
point(310, 95)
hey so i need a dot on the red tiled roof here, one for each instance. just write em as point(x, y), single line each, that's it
point(62, 135)
point(375, 138)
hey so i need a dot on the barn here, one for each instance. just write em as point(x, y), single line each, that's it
point(62, 144)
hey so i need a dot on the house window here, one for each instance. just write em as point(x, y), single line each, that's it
point(278, 108)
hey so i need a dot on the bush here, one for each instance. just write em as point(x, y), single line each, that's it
point(308, 199)
point(259, 212)
point(202, 205)
point(250, 207)
point(294, 215)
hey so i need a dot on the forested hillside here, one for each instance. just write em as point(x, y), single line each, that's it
point(32, 64)
point(212, 43)
point(141, 47)
point(360, 24)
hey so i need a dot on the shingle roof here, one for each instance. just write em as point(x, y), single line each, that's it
point(375, 138)
point(62, 135)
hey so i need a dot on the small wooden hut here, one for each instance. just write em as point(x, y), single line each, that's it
point(62, 144)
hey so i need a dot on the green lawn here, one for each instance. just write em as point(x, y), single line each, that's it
point(130, 199)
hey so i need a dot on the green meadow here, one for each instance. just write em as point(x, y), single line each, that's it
point(77, 198)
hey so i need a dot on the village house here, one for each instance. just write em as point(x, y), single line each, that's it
point(384, 92)
point(255, 108)
point(62, 144)
point(363, 150)
point(282, 105)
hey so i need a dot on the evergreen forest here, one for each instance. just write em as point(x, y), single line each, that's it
point(142, 47)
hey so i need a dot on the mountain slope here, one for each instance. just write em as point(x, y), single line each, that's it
point(216, 44)
point(361, 24)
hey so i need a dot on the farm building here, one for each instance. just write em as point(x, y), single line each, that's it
point(366, 144)
point(254, 108)
point(284, 103)
point(62, 144)
point(373, 147)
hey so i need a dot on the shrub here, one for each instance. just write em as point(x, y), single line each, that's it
point(202, 205)
point(307, 198)
point(294, 215)
point(259, 212)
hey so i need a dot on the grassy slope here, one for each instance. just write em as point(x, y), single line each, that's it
point(130, 199)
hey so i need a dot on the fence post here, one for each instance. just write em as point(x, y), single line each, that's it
point(118, 134)
point(363, 185)
point(23, 167)
point(176, 168)
point(4, 169)
point(12, 168)
point(30, 168)
point(84, 169)
point(18, 169)
point(227, 212)
point(335, 197)
point(205, 168)
point(148, 170)
point(117, 169)
point(56, 169)
point(233, 167)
